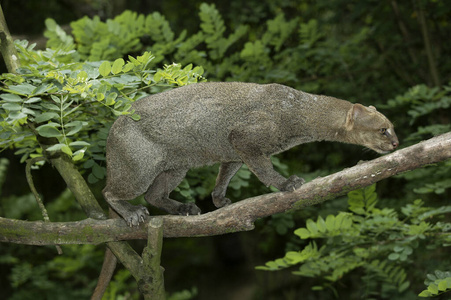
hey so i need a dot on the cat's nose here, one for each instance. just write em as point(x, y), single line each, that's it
point(395, 144)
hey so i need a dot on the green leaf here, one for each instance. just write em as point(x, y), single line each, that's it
point(61, 147)
point(330, 222)
point(98, 171)
point(128, 67)
point(442, 285)
point(49, 131)
point(50, 106)
point(398, 248)
point(321, 225)
point(302, 233)
point(425, 294)
point(311, 226)
point(89, 164)
point(28, 111)
point(408, 250)
point(157, 77)
point(404, 286)
point(67, 113)
point(56, 147)
point(433, 288)
point(11, 97)
point(42, 88)
point(17, 115)
point(33, 100)
point(12, 106)
point(78, 155)
point(439, 274)
point(117, 66)
point(56, 99)
point(50, 24)
point(199, 70)
point(79, 143)
point(342, 221)
point(110, 100)
point(75, 126)
point(92, 179)
point(23, 89)
point(13, 77)
point(46, 116)
point(393, 256)
point(431, 277)
point(105, 68)
point(82, 76)
point(66, 149)
point(100, 96)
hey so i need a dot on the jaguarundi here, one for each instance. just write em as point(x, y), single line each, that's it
point(230, 123)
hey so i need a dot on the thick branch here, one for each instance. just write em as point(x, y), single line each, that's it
point(7, 48)
point(152, 287)
point(239, 216)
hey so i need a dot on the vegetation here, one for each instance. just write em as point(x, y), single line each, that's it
point(72, 102)
point(382, 242)
point(388, 55)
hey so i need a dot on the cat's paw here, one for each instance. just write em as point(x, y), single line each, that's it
point(135, 215)
point(187, 209)
point(221, 201)
point(293, 182)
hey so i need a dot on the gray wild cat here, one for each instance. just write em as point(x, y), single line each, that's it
point(227, 123)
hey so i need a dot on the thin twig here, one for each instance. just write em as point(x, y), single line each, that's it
point(31, 162)
point(41, 205)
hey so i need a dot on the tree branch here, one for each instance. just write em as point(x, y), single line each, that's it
point(7, 48)
point(238, 216)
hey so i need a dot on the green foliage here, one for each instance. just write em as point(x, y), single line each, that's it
point(379, 241)
point(430, 111)
point(184, 295)
point(72, 269)
point(74, 103)
point(313, 54)
point(119, 287)
point(266, 57)
point(421, 101)
point(3, 169)
point(57, 37)
point(437, 284)
point(282, 223)
point(44, 274)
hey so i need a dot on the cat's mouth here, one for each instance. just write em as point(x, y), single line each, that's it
point(385, 149)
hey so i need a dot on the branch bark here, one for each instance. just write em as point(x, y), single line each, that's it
point(238, 216)
point(154, 288)
point(7, 48)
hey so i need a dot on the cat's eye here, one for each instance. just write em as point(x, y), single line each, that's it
point(383, 131)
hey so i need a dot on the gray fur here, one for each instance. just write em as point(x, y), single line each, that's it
point(230, 123)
